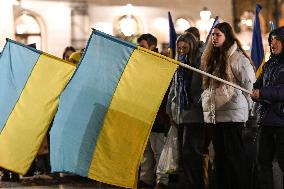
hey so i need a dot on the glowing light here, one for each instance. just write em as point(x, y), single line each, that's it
point(105, 27)
point(205, 14)
point(205, 23)
point(128, 26)
point(246, 47)
point(128, 9)
point(16, 2)
point(181, 24)
point(26, 24)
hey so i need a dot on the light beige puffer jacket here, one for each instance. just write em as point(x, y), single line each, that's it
point(224, 103)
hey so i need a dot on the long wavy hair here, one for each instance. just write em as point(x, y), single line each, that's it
point(192, 41)
point(217, 57)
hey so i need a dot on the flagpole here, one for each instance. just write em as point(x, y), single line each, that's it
point(211, 29)
point(214, 77)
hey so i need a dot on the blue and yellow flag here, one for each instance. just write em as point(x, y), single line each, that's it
point(107, 110)
point(173, 37)
point(30, 84)
point(257, 52)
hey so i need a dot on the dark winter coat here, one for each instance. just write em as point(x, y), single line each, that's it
point(271, 85)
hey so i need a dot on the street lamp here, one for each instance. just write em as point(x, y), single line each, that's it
point(205, 14)
point(205, 22)
point(128, 24)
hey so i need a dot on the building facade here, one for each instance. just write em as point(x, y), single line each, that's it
point(53, 25)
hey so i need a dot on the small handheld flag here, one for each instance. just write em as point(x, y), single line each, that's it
point(173, 37)
point(257, 52)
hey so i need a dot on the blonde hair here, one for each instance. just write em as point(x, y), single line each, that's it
point(192, 41)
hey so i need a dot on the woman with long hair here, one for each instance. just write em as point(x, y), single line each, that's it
point(225, 108)
point(185, 111)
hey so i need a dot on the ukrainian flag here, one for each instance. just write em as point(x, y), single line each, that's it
point(257, 52)
point(30, 84)
point(107, 110)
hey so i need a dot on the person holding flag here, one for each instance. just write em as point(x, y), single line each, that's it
point(226, 109)
point(268, 91)
point(154, 147)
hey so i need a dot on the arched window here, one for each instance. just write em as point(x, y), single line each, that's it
point(28, 30)
point(182, 24)
point(127, 27)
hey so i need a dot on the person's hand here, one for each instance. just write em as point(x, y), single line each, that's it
point(255, 94)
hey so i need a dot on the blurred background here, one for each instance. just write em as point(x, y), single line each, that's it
point(55, 24)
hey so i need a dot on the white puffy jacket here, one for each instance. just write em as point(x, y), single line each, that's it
point(225, 103)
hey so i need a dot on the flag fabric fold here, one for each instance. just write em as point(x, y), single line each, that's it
point(30, 84)
point(107, 110)
point(257, 52)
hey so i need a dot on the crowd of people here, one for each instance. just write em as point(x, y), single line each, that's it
point(206, 110)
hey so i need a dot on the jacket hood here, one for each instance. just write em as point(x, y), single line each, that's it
point(278, 32)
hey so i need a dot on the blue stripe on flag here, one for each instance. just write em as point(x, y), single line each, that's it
point(14, 72)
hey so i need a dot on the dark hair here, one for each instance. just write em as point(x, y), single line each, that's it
point(69, 48)
point(194, 31)
point(33, 45)
point(279, 35)
point(151, 40)
point(191, 40)
point(217, 56)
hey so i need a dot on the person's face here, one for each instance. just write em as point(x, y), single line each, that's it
point(67, 54)
point(218, 38)
point(276, 46)
point(145, 45)
point(183, 48)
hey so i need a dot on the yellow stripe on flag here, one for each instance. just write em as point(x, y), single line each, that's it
point(28, 122)
point(260, 68)
point(130, 116)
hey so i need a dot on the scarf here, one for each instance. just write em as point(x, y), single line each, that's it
point(183, 83)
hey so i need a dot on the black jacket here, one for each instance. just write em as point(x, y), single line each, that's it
point(271, 85)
